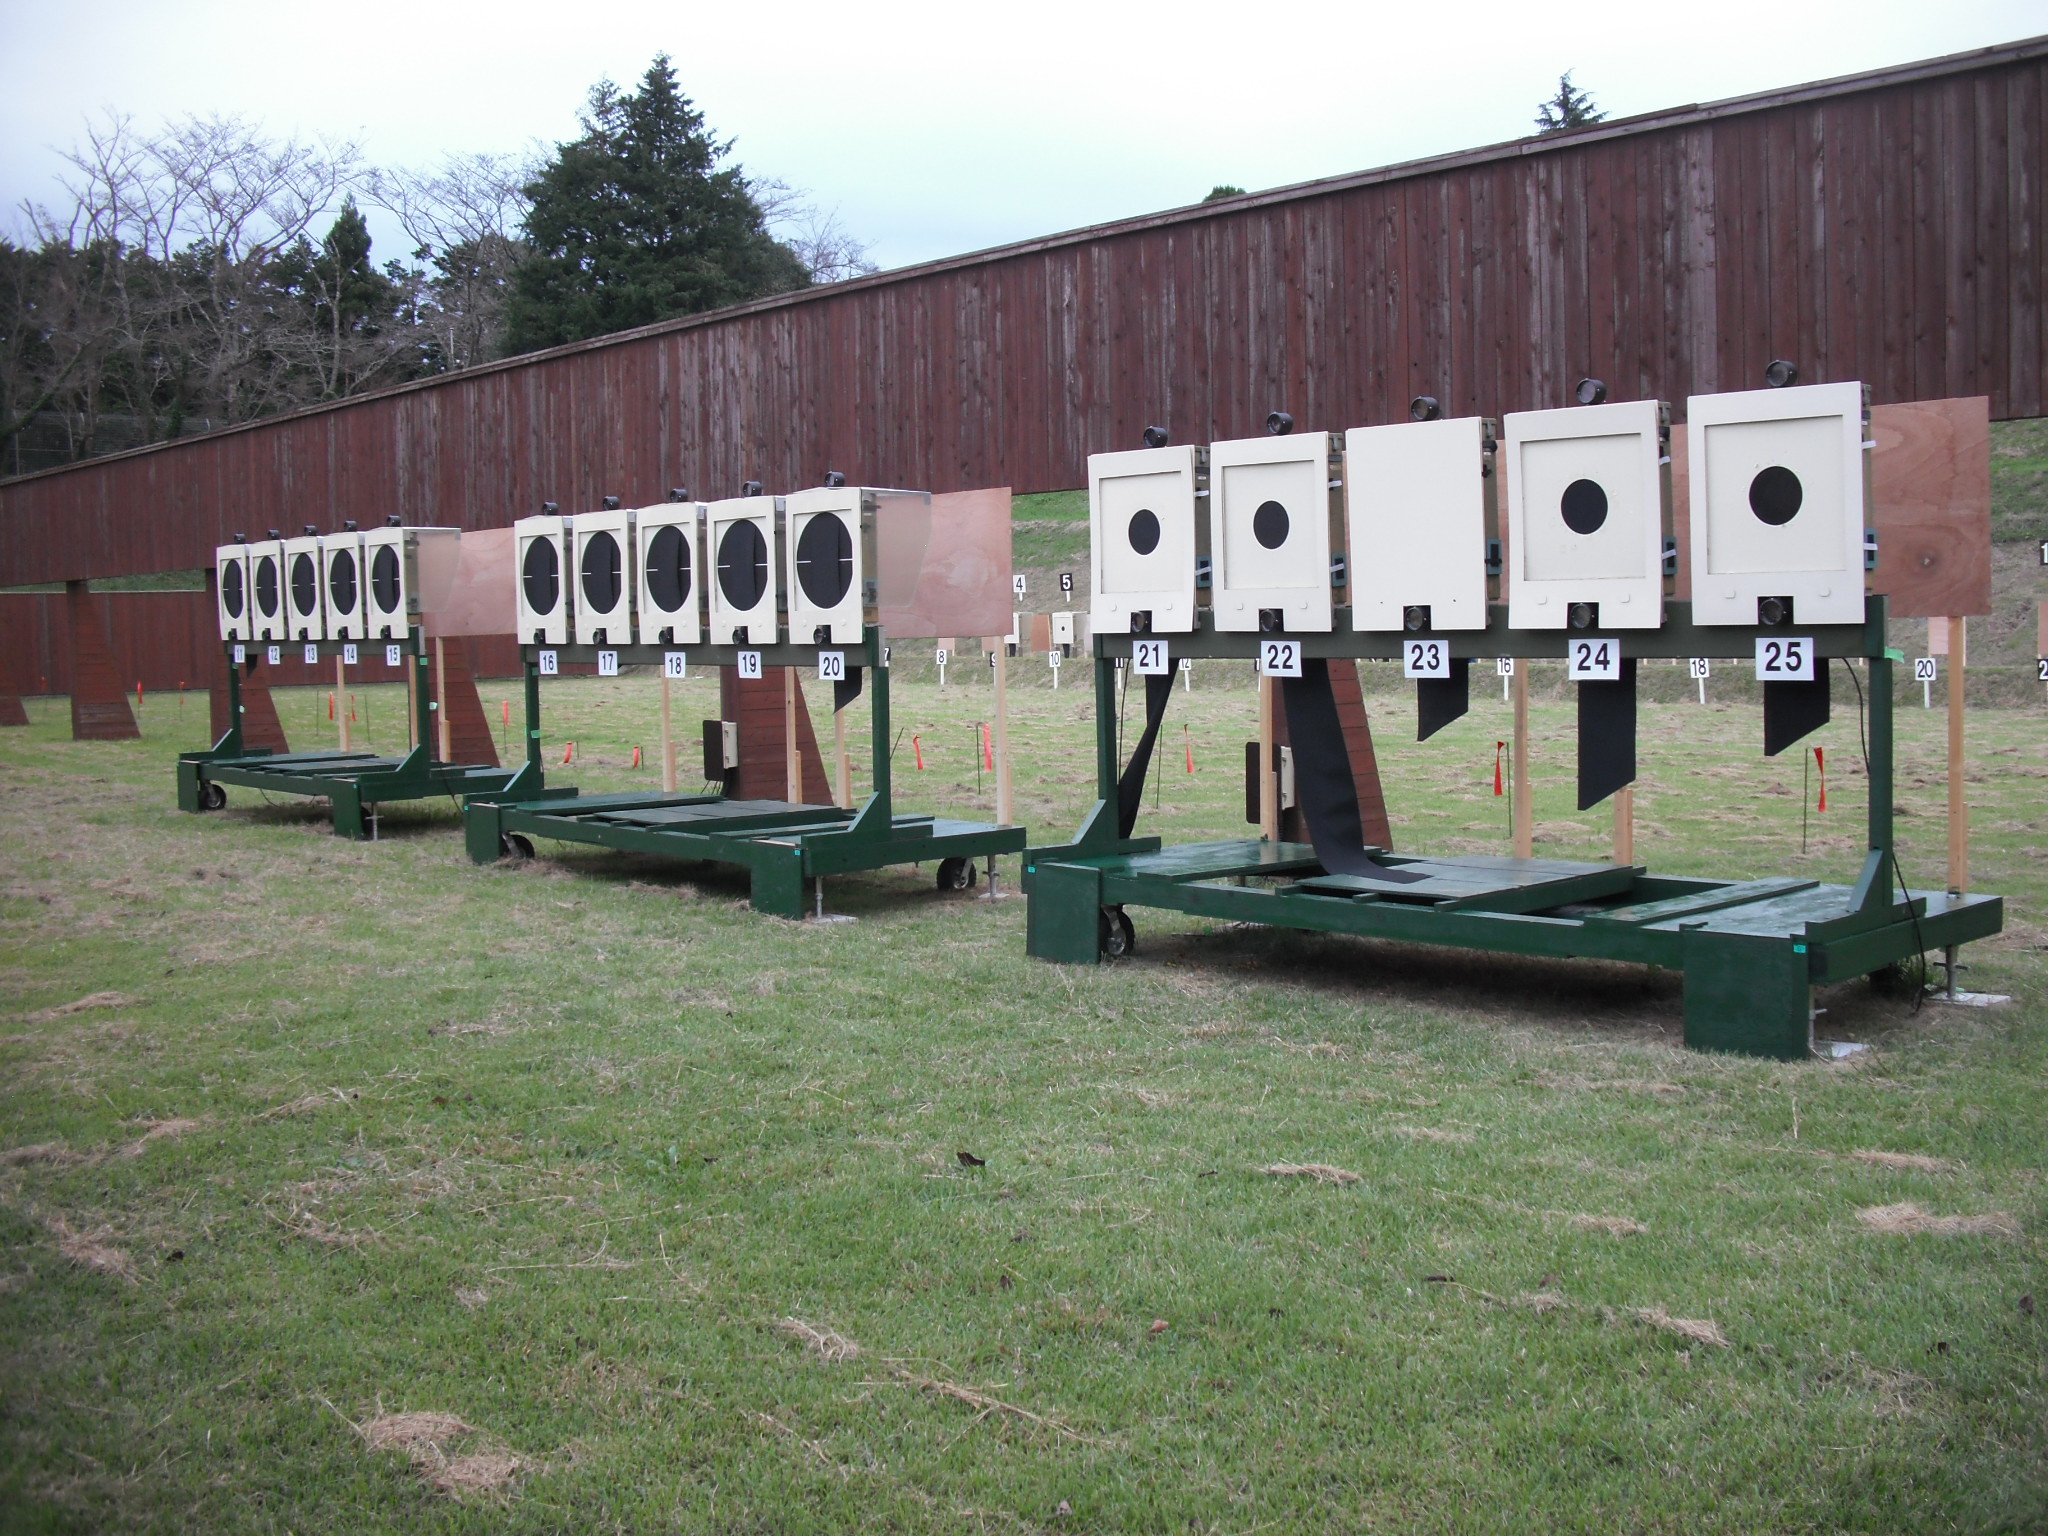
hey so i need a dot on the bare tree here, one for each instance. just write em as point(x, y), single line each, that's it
point(828, 250)
point(465, 219)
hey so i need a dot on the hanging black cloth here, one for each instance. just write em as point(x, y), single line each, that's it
point(1324, 790)
point(845, 689)
point(1607, 736)
point(1796, 710)
point(1130, 789)
point(1441, 700)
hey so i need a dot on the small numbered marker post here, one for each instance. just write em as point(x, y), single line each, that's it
point(1425, 658)
point(1187, 672)
point(674, 665)
point(1067, 583)
point(944, 657)
point(1700, 669)
point(275, 653)
point(1017, 584)
point(750, 664)
point(348, 655)
point(1504, 666)
point(1924, 673)
point(1280, 658)
point(1594, 660)
point(1148, 657)
point(392, 656)
point(241, 655)
point(887, 651)
point(312, 654)
point(607, 663)
point(550, 664)
point(2043, 662)
point(831, 666)
point(1785, 659)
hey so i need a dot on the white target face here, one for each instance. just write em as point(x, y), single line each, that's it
point(830, 538)
point(1587, 509)
point(1269, 529)
point(344, 585)
point(544, 579)
point(742, 572)
point(1777, 503)
point(1145, 537)
point(231, 590)
point(1416, 497)
point(670, 566)
point(602, 553)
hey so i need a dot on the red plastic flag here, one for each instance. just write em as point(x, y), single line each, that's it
point(636, 757)
point(568, 752)
point(330, 704)
point(1500, 750)
point(1190, 743)
point(988, 748)
point(917, 746)
point(1821, 762)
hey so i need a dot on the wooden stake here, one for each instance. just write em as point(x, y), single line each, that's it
point(1269, 785)
point(441, 698)
point(668, 742)
point(1525, 797)
point(1002, 732)
point(792, 759)
point(1958, 808)
point(340, 702)
point(1625, 824)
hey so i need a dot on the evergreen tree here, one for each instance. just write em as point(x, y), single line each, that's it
point(1569, 108)
point(1221, 190)
point(636, 222)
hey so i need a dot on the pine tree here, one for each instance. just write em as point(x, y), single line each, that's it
point(1569, 108)
point(638, 221)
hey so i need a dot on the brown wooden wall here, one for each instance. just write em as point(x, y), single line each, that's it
point(1889, 228)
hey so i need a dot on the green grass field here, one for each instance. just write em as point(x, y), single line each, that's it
point(659, 1205)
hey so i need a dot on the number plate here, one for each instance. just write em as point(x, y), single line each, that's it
point(312, 654)
point(2044, 668)
point(1504, 666)
point(1425, 658)
point(274, 655)
point(1066, 581)
point(1785, 659)
point(1017, 585)
point(1924, 669)
point(1594, 660)
point(348, 655)
point(1052, 659)
point(241, 655)
point(944, 656)
point(607, 663)
point(750, 664)
point(1148, 657)
point(673, 664)
point(391, 656)
point(1699, 669)
point(831, 666)
point(549, 664)
point(1280, 658)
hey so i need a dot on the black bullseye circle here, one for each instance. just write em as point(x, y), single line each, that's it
point(266, 585)
point(384, 579)
point(305, 584)
point(1269, 524)
point(540, 575)
point(1584, 506)
point(1775, 495)
point(668, 569)
point(1144, 531)
point(603, 578)
point(824, 560)
point(341, 582)
point(743, 565)
point(231, 590)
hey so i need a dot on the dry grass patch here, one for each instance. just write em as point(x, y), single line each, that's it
point(1697, 1330)
point(91, 1250)
point(86, 1004)
point(52, 1154)
point(1570, 1082)
point(1909, 1218)
point(1322, 1173)
point(823, 1342)
point(1613, 1226)
point(1431, 1133)
point(159, 1130)
point(1913, 1161)
point(428, 1439)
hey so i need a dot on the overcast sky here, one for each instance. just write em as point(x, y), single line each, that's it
point(936, 129)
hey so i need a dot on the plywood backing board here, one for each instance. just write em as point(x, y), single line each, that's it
point(1931, 486)
point(757, 706)
point(476, 597)
point(945, 571)
point(1365, 767)
point(469, 728)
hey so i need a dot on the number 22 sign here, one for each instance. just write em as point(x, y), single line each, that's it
point(1280, 658)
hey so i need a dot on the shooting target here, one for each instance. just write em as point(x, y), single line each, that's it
point(1146, 538)
point(1588, 505)
point(669, 607)
point(1271, 532)
point(1418, 496)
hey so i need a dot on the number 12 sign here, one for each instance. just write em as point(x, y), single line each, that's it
point(1594, 661)
point(1786, 659)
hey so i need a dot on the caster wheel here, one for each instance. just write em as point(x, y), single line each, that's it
point(957, 874)
point(517, 846)
point(1117, 936)
point(212, 798)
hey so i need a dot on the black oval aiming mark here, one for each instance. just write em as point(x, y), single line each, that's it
point(1144, 531)
point(305, 584)
point(1776, 495)
point(824, 560)
point(231, 590)
point(668, 568)
point(1584, 505)
point(384, 579)
point(266, 585)
point(541, 573)
point(341, 581)
point(603, 580)
point(743, 565)
point(1269, 524)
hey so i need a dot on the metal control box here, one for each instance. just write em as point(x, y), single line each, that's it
point(1779, 498)
point(231, 593)
point(1418, 512)
point(669, 561)
point(344, 586)
point(829, 563)
point(267, 618)
point(739, 538)
point(601, 555)
point(1147, 538)
point(304, 604)
point(1589, 508)
point(1275, 528)
point(542, 575)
